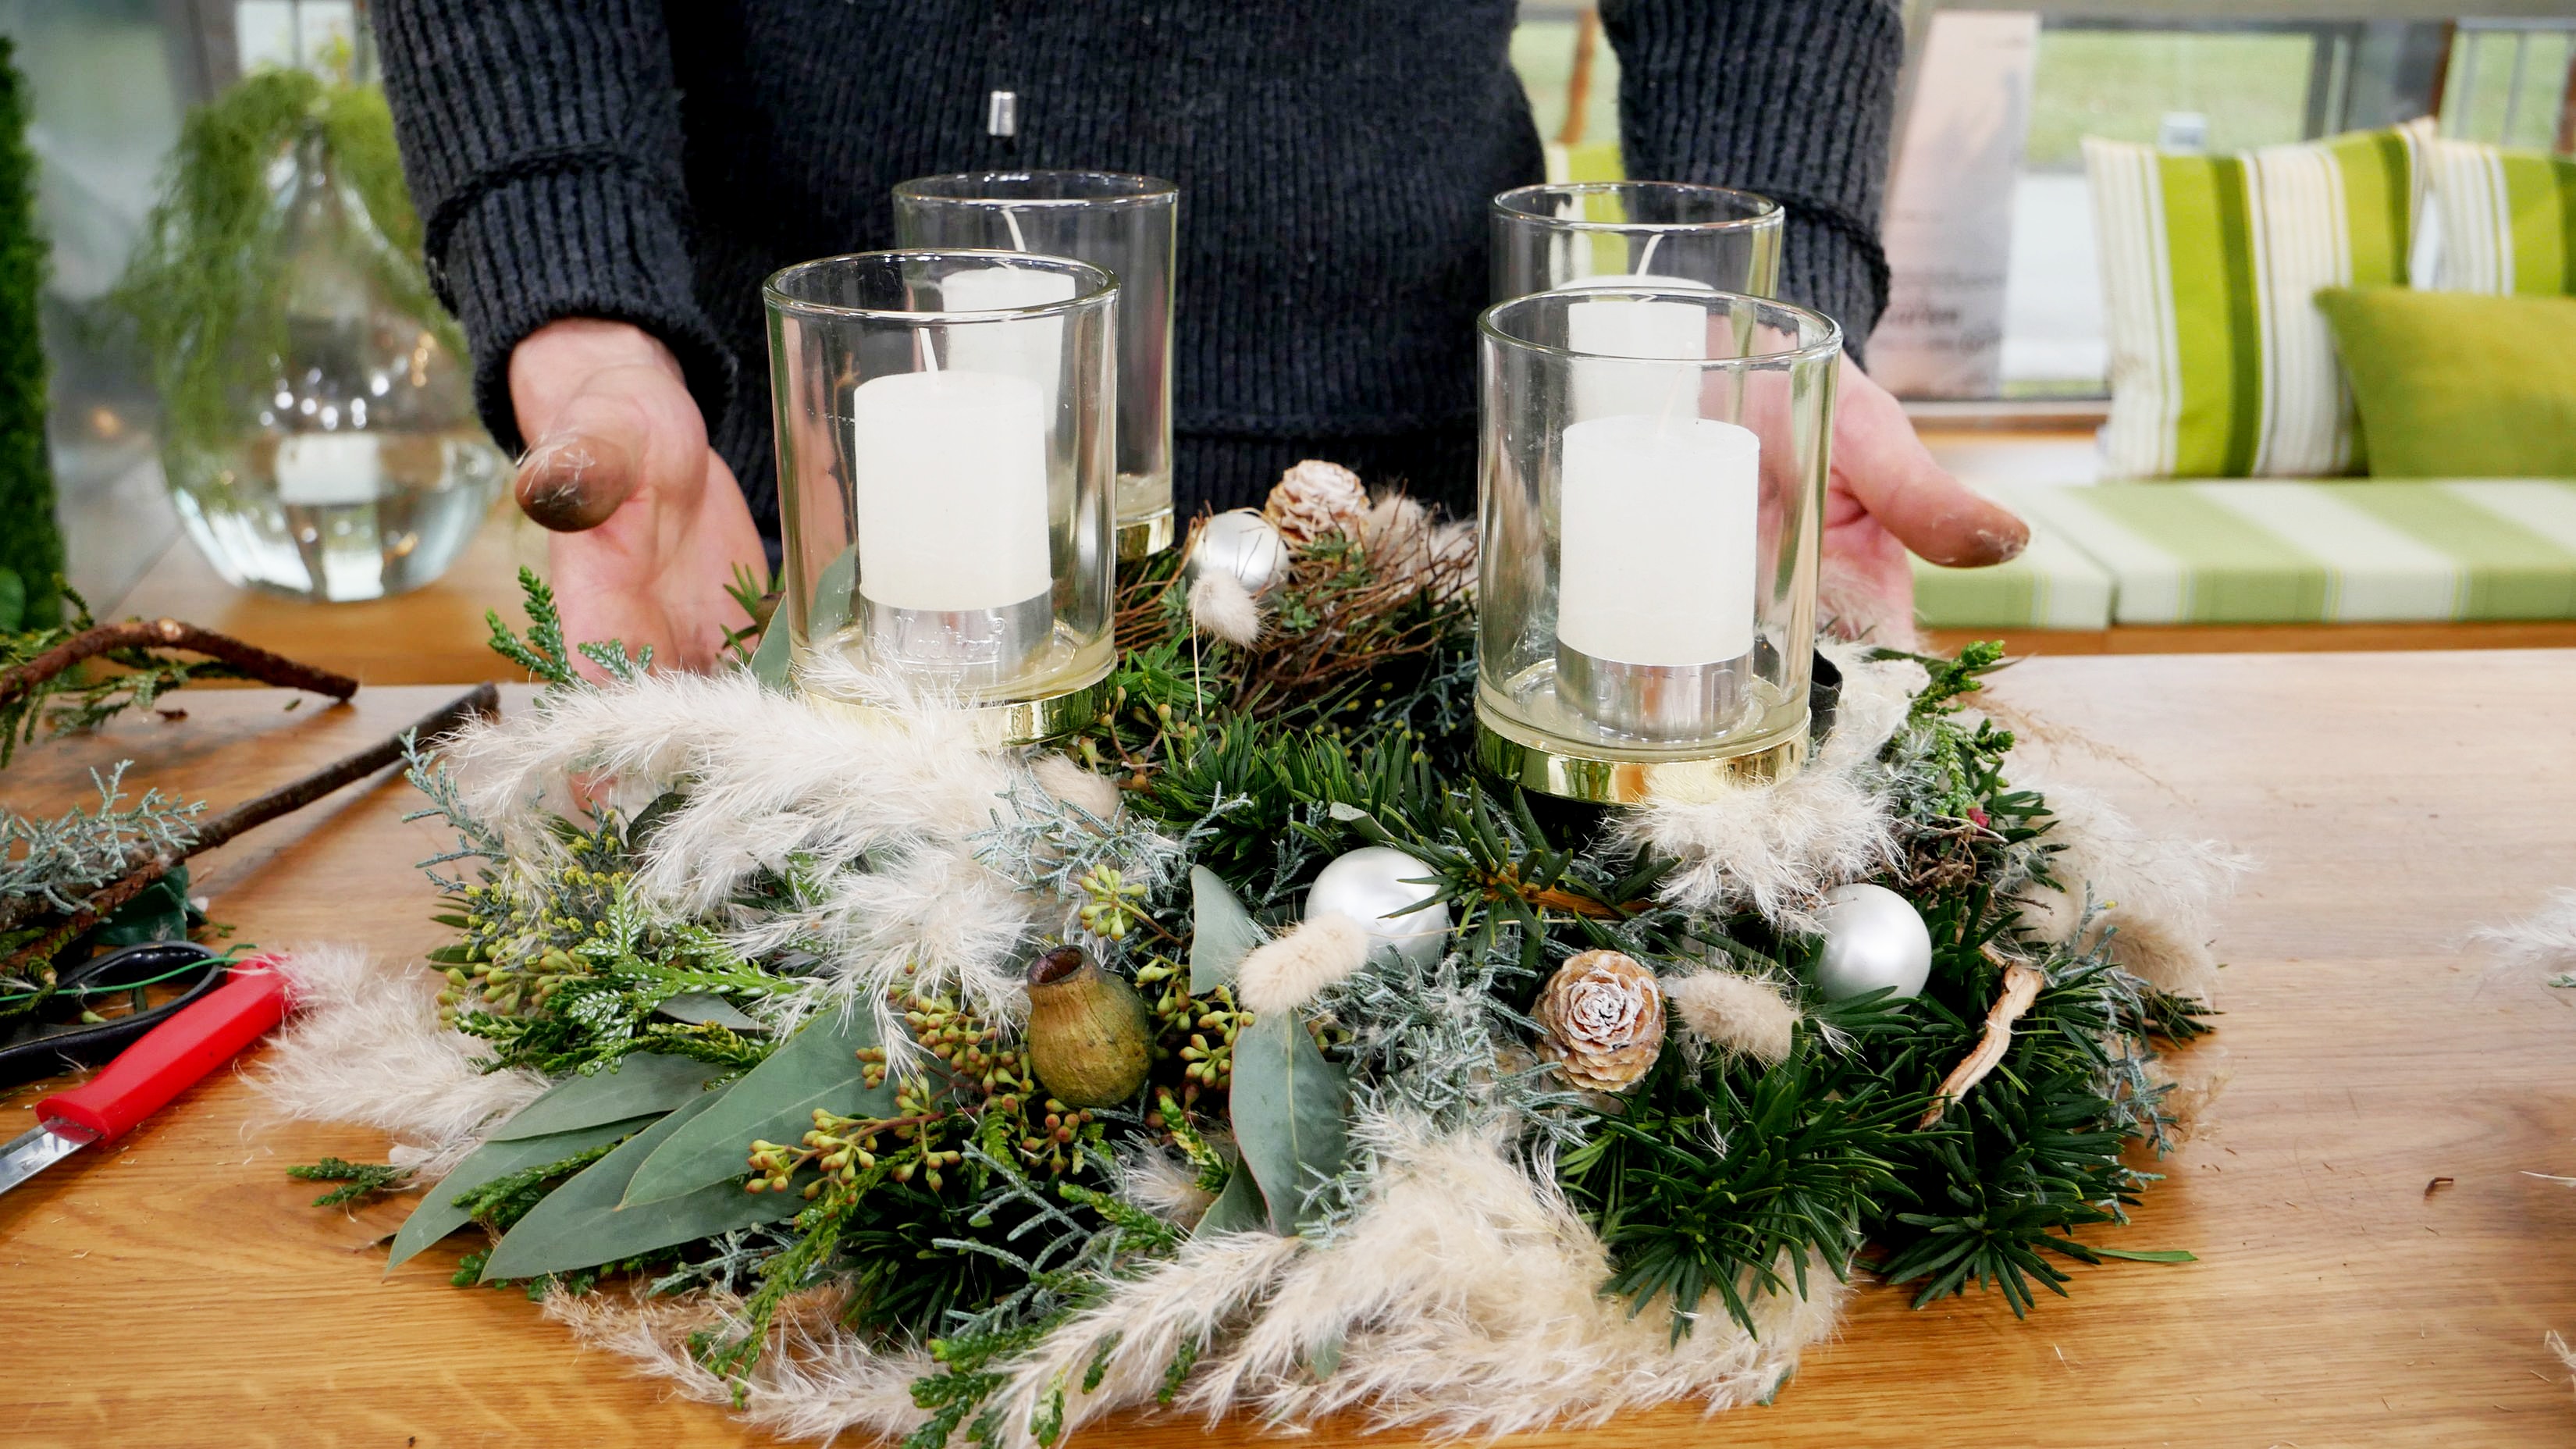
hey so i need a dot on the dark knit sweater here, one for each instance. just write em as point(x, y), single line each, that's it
point(652, 163)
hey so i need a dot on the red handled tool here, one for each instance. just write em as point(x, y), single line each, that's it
point(166, 1062)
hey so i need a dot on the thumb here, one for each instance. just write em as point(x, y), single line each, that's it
point(1891, 474)
point(598, 448)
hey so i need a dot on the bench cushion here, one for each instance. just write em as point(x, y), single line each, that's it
point(2052, 585)
point(2279, 552)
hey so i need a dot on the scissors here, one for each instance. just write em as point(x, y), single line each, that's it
point(152, 1054)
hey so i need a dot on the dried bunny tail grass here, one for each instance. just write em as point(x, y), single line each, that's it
point(1065, 779)
point(364, 1045)
point(1162, 1184)
point(1222, 606)
point(1466, 1300)
point(814, 1380)
point(2543, 942)
point(1285, 974)
point(2153, 901)
point(1735, 1013)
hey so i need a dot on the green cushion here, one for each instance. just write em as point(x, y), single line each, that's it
point(2267, 552)
point(2220, 365)
point(2508, 219)
point(2454, 384)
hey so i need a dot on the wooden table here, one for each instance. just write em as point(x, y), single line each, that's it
point(177, 1291)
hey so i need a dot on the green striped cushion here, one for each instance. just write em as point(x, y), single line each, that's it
point(2221, 366)
point(2051, 585)
point(2508, 219)
point(2262, 552)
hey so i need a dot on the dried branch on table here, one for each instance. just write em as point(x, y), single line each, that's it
point(34, 961)
point(38, 665)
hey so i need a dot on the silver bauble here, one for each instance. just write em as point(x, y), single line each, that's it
point(1873, 938)
point(1241, 543)
point(1371, 886)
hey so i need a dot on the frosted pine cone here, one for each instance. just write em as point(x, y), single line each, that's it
point(1316, 498)
point(1601, 1020)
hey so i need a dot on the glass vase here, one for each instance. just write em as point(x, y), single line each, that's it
point(1652, 233)
point(1124, 226)
point(342, 459)
point(1649, 528)
point(944, 481)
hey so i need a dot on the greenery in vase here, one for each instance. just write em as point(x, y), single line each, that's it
point(206, 286)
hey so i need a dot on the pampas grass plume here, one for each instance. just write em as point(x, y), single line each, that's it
point(1285, 974)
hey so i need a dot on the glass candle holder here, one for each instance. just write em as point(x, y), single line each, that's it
point(944, 468)
point(1643, 233)
point(1118, 223)
point(1647, 579)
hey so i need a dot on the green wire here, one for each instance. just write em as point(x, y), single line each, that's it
point(85, 991)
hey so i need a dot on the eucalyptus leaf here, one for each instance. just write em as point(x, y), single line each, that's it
point(1326, 1359)
point(1288, 1106)
point(1237, 1209)
point(438, 1215)
point(1222, 932)
point(582, 1225)
point(702, 1008)
point(158, 912)
point(833, 588)
point(639, 1085)
point(771, 657)
point(817, 1067)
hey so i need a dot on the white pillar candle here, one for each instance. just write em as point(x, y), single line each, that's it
point(950, 483)
point(1031, 348)
point(1657, 553)
point(321, 470)
point(1626, 327)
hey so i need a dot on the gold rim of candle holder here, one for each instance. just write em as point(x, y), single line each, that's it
point(1518, 756)
point(1144, 537)
point(1001, 724)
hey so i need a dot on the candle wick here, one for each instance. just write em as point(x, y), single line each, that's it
point(1011, 219)
point(1646, 258)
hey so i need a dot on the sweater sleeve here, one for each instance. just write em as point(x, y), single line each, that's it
point(542, 142)
point(1790, 98)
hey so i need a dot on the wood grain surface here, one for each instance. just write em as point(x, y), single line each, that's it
point(176, 1289)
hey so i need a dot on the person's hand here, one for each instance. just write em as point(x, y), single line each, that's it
point(1887, 496)
point(648, 522)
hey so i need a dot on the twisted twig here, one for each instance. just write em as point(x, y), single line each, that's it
point(482, 699)
point(18, 681)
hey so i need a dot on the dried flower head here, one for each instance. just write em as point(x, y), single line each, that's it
point(1601, 1020)
point(1316, 498)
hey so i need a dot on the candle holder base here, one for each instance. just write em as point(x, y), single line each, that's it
point(1000, 724)
point(1144, 537)
point(1519, 757)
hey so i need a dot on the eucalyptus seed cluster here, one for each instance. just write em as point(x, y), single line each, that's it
point(843, 1149)
point(1200, 1030)
point(1111, 902)
point(519, 938)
